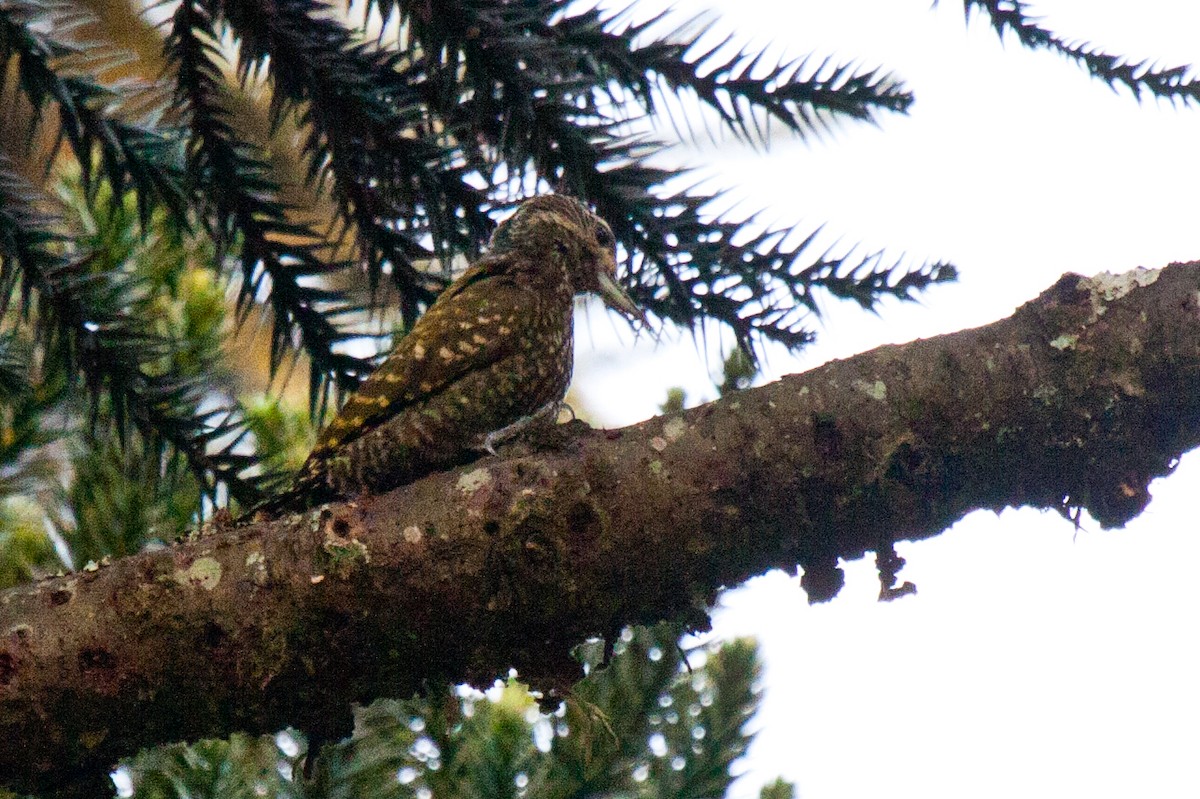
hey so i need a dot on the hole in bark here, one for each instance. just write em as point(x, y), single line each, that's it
point(8, 668)
point(827, 438)
point(59, 596)
point(906, 461)
point(583, 521)
point(491, 527)
point(341, 528)
point(96, 658)
point(214, 636)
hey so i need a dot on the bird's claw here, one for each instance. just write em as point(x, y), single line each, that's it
point(498, 437)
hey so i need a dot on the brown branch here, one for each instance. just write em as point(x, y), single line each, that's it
point(1076, 401)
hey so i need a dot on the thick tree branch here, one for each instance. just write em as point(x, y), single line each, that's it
point(1076, 401)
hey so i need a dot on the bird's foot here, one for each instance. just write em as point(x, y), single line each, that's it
point(545, 415)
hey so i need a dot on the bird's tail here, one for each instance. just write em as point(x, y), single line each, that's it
point(304, 491)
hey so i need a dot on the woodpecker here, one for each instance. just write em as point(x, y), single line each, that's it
point(494, 349)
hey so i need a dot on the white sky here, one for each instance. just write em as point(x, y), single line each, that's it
point(1034, 661)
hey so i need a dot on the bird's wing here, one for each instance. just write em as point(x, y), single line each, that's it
point(475, 323)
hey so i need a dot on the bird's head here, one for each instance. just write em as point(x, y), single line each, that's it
point(564, 229)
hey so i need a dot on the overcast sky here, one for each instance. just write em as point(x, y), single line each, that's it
point(1035, 660)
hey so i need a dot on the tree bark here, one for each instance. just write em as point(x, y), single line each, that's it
point(1075, 402)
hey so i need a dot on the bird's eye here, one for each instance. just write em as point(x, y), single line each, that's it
point(604, 237)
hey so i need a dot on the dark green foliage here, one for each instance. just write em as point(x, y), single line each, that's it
point(739, 370)
point(780, 789)
point(643, 726)
point(94, 303)
point(133, 322)
point(675, 402)
point(14, 366)
point(278, 256)
point(240, 768)
point(25, 429)
point(153, 324)
point(1138, 76)
point(121, 500)
point(797, 94)
point(116, 125)
point(25, 550)
point(28, 468)
point(282, 434)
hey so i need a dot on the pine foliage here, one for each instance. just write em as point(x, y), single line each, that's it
point(645, 725)
point(1139, 77)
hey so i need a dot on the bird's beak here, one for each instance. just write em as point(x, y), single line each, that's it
point(615, 297)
